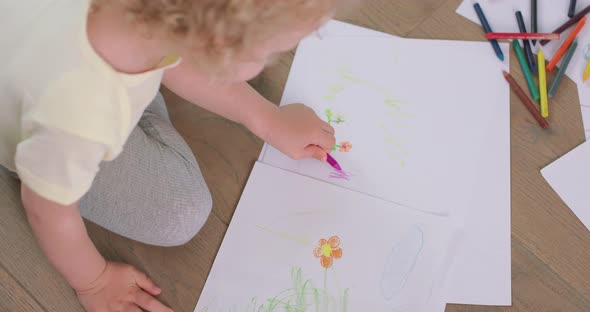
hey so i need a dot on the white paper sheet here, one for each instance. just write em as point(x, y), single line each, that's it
point(428, 122)
point(551, 14)
point(336, 28)
point(392, 258)
point(570, 178)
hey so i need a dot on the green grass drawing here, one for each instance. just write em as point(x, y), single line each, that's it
point(303, 296)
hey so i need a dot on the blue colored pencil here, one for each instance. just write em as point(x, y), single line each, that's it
point(527, 45)
point(534, 18)
point(572, 10)
point(488, 29)
point(563, 68)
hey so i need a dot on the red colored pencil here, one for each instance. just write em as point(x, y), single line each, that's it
point(569, 23)
point(523, 36)
point(526, 101)
point(559, 54)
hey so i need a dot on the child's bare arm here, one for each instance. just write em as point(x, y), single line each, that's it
point(62, 236)
point(100, 285)
point(294, 129)
point(236, 101)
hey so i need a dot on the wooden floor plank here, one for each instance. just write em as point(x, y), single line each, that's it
point(13, 297)
point(393, 17)
point(21, 258)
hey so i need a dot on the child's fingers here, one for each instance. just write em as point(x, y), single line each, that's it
point(327, 127)
point(313, 151)
point(132, 308)
point(324, 140)
point(149, 303)
point(146, 284)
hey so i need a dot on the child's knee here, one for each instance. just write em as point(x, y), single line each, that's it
point(192, 211)
point(196, 217)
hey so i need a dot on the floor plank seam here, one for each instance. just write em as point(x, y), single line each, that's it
point(426, 18)
point(18, 282)
point(215, 214)
point(550, 269)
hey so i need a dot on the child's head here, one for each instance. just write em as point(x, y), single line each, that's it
point(228, 38)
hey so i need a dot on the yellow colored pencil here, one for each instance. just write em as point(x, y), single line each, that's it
point(543, 84)
point(587, 71)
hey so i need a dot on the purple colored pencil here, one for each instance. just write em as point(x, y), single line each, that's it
point(333, 163)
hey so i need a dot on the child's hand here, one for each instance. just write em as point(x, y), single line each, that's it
point(121, 288)
point(298, 132)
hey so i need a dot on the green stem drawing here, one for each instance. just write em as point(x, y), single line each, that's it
point(326, 290)
point(331, 119)
point(345, 301)
point(325, 279)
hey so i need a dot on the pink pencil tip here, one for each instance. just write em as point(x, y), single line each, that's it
point(333, 162)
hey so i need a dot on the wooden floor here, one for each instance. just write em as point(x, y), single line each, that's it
point(550, 247)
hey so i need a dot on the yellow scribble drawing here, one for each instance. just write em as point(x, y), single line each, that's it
point(395, 118)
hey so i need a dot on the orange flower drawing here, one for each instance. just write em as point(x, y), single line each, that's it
point(328, 250)
point(345, 147)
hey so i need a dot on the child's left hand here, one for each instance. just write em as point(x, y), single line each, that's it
point(298, 132)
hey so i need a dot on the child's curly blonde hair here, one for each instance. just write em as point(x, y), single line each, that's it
point(222, 29)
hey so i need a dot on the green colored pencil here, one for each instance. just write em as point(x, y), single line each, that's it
point(526, 70)
point(563, 68)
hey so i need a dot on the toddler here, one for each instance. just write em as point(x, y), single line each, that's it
point(86, 131)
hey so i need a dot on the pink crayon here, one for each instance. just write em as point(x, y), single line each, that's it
point(333, 163)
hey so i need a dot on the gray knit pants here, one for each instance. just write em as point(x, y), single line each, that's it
point(154, 191)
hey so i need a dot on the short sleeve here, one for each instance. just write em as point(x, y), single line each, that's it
point(57, 165)
point(85, 104)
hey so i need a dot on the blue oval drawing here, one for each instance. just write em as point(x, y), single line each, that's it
point(401, 262)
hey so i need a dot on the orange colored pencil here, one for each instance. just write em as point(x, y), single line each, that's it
point(559, 54)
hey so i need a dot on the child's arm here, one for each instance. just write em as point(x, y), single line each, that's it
point(294, 129)
point(62, 236)
point(100, 285)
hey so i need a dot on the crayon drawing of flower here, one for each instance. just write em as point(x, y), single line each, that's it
point(328, 250)
point(343, 147)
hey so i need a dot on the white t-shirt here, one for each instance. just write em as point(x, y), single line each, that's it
point(63, 109)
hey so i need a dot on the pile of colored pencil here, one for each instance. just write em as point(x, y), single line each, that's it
point(527, 61)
